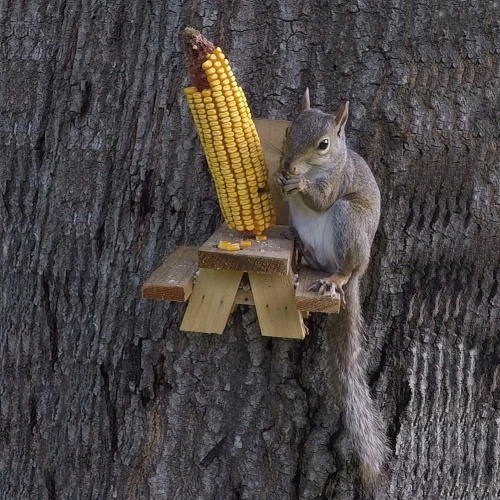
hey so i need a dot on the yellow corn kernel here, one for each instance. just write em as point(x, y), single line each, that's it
point(227, 245)
point(245, 243)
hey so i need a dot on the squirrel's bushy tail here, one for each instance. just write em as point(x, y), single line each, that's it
point(361, 417)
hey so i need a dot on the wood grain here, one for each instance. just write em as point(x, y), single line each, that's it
point(173, 280)
point(211, 301)
point(272, 256)
point(275, 304)
point(272, 135)
point(311, 301)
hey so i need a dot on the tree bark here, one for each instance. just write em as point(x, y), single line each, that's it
point(101, 176)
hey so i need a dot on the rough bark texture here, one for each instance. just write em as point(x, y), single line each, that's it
point(101, 176)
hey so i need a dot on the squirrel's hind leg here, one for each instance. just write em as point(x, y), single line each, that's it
point(332, 285)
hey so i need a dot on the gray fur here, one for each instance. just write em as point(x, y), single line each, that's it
point(334, 211)
point(361, 416)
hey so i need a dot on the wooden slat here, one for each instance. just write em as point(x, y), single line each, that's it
point(244, 297)
point(272, 135)
point(211, 301)
point(311, 301)
point(275, 305)
point(173, 280)
point(244, 294)
point(272, 256)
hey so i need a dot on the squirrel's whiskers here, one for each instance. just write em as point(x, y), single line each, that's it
point(271, 147)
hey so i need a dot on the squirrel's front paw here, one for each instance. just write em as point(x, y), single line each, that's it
point(290, 184)
point(327, 287)
point(279, 180)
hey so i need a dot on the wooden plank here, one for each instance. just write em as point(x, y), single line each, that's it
point(272, 135)
point(244, 297)
point(311, 301)
point(211, 301)
point(275, 305)
point(272, 256)
point(173, 280)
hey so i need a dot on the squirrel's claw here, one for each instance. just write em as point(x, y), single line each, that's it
point(279, 180)
point(289, 184)
point(327, 287)
point(294, 184)
point(342, 295)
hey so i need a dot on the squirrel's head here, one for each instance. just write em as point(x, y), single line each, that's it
point(315, 140)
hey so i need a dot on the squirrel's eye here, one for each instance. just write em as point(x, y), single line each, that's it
point(323, 145)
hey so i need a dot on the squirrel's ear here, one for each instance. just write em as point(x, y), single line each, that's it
point(341, 117)
point(305, 103)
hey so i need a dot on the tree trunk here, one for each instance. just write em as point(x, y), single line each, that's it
point(101, 176)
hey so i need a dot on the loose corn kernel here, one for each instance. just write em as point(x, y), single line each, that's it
point(227, 245)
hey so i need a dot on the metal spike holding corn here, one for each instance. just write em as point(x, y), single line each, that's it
point(228, 136)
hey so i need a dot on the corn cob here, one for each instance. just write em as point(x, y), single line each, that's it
point(228, 136)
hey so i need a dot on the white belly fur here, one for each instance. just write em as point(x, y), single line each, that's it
point(316, 231)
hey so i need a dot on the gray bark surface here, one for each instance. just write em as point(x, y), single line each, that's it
point(101, 176)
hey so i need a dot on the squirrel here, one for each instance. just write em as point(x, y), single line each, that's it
point(334, 206)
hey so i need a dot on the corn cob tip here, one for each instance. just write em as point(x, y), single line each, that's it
point(196, 48)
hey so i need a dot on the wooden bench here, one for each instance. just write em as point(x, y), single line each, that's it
point(210, 280)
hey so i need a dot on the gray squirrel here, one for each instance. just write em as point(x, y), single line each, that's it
point(334, 205)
